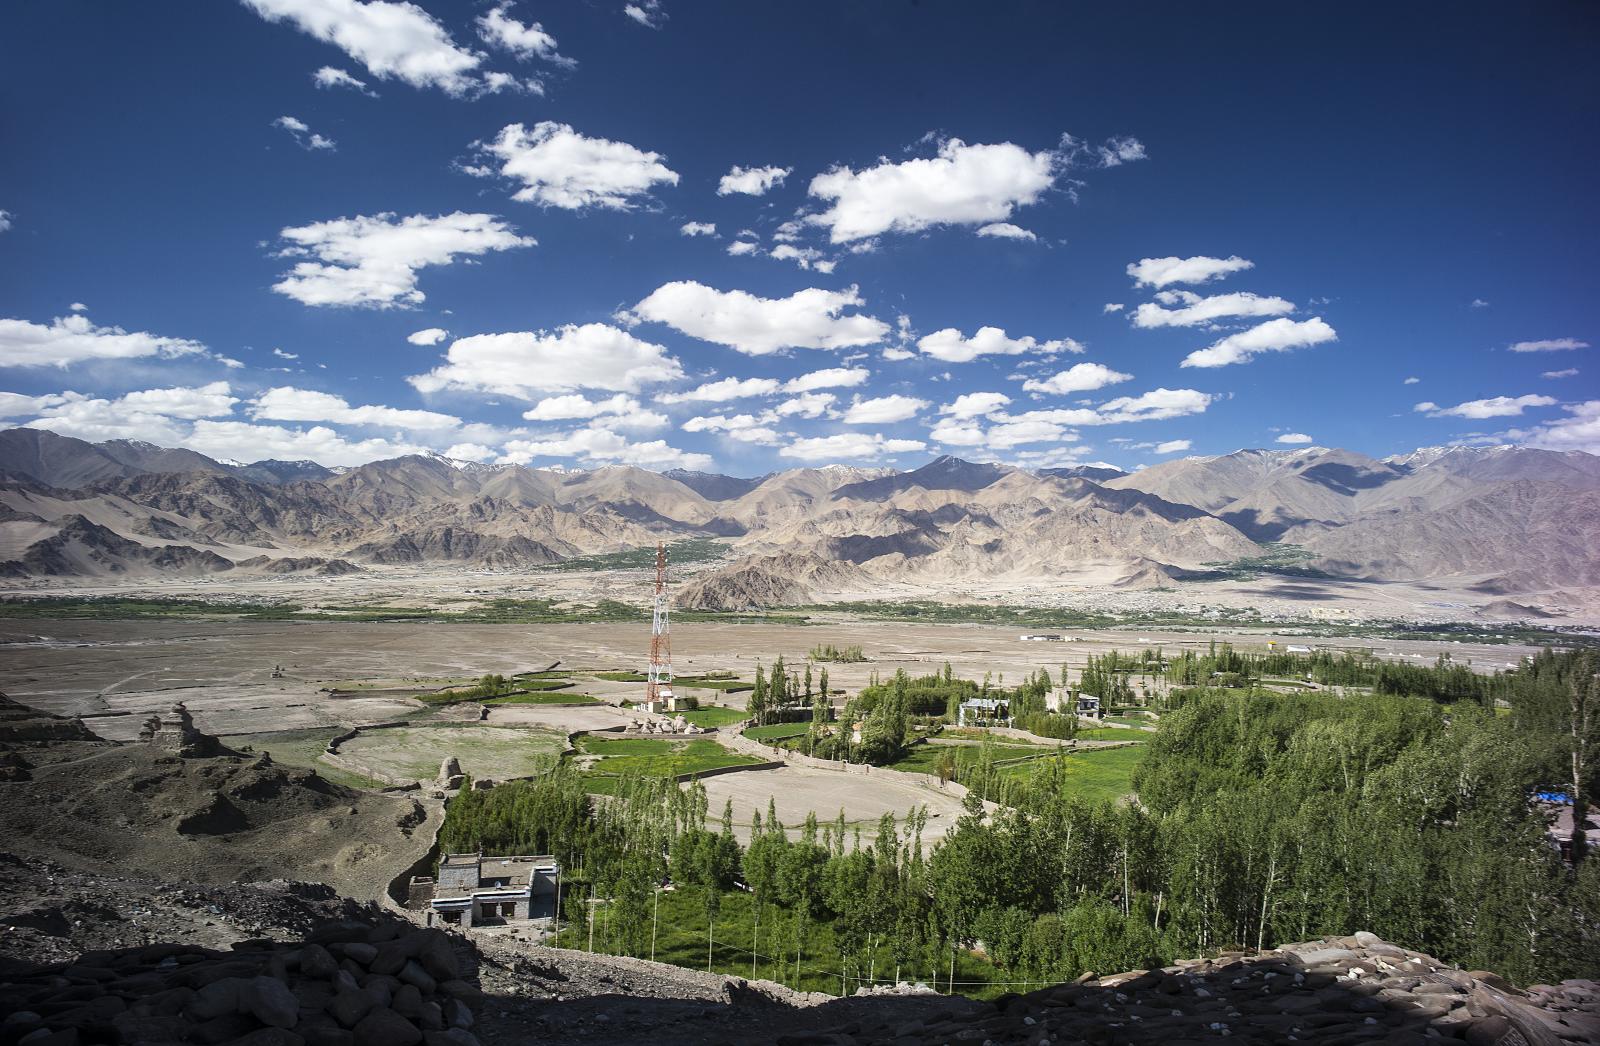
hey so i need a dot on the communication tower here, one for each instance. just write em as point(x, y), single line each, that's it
point(658, 681)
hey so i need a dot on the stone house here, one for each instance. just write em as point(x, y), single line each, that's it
point(474, 890)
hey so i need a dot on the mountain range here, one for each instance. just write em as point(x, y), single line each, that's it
point(1497, 520)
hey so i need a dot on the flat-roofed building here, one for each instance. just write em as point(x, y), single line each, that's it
point(474, 890)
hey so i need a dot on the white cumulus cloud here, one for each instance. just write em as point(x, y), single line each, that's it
point(391, 40)
point(951, 346)
point(1295, 438)
point(1565, 372)
point(849, 446)
point(828, 378)
point(243, 441)
point(576, 407)
point(1579, 431)
point(808, 319)
point(71, 339)
point(808, 405)
point(527, 363)
point(558, 167)
point(499, 29)
point(963, 185)
point(647, 13)
point(1080, 377)
point(1492, 407)
point(975, 405)
point(752, 181)
point(1549, 345)
point(1006, 231)
point(882, 410)
point(329, 76)
point(302, 134)
point(724, 390)
point(599, 444)
point(1173, 446)
point(1192, 310)
point(1278, 335)
point(428, 336)
point(745, 428)
point(287, 403)
point(372, 260)
point(698, 228)
point(1159, 272)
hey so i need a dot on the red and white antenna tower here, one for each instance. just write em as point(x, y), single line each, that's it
point(658, 682)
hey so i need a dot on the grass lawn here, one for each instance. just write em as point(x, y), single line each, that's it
point(973, 733)
point(777, 731)
point(1105, 773)
point(708, 716)
point(681, 939)
point(657, 756)
point(924, 759)
point(1111, 733)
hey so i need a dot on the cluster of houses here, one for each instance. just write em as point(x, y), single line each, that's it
point(996, 711)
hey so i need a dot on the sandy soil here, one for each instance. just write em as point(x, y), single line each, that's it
point(223, 670)
point(797, 791)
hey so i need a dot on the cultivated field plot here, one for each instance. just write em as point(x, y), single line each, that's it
point(654, 756)
point(484, 751)
point(796, 791)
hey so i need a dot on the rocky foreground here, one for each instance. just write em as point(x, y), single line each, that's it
point(375, 980)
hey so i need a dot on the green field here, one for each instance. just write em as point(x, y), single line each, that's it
point(1111, 733)
point(1011, 760)
point(681, 940)
point(709, 716)
point(777, 731)
point(1102, 773)
point(1094, 774)
point(656, 756)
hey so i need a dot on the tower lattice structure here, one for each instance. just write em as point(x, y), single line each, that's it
point(658, 681)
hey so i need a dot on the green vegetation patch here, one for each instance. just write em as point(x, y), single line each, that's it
point(693, 550)
point(682, 939)
point(1283, 560)
point(708, 716)
point(830, 652)
point(777, 731)
point(657, 756)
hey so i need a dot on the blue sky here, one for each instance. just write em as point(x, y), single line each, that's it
point(345, 230)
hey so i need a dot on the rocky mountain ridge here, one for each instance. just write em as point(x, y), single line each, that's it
point(1503, 520)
